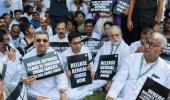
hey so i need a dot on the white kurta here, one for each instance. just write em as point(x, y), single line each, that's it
point(56, 38)
point(49, 30)
point(48, 87)
point(128, 77)
point(80, 92)
point(134, 46)
point(123, 52)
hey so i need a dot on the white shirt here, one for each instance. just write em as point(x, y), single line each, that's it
point(48, 87)
point(16, 5)
point(127, 80)
point(134, 46)
point(123, 52)
point(49, 30)
point(80, 92)
point(56, 38)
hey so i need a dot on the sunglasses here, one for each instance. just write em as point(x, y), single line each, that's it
point(43, 40)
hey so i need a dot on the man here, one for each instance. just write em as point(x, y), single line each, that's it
point(115, 45)
point(89, 29)
point(53, 87)
point(61, 35)
point(137, 67)
point(45, 27)
point(35, 19)
point(7, 20)
point(16, 35)
point(144, 14)
point(107, 25)
point(10, 56)
point(17, 16)
point(76, 48)
point(138, 46)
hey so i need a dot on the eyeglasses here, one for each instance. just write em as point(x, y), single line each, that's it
point(150, 44)
point(39, 40)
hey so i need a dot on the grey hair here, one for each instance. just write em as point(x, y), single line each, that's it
point(161, 38)
point(116, 27)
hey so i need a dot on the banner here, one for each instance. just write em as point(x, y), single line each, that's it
point(80, 75)
point(107, 67)
point(152, 90)
point(29, 47)
point(93, 44)
point(59, 46)
point(121, 6)
point(101, 5)
point(43, 66)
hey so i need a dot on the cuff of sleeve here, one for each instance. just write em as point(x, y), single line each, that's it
point(112, 94)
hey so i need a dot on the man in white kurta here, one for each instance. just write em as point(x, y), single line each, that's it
point(137, 67)
point(75, 49)
point(52, 87)
point(137, 46)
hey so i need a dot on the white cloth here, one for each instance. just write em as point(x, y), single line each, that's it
point(134, 46)
point(48, 87)
point(80, 92)
point(49, 30)
point(56, 38)
point(128, 82)
point(16, 5)
point(123, 52)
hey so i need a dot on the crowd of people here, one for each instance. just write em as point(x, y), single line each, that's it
point(140, 36)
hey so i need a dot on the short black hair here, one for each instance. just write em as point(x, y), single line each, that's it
point(72, 35)
point(27, 7)
point(41, 32)
point(5, 14)
point(79, 12)
point(17, 10)
point(108, 23)
point(87, 21)
point(24, 19)
point(25, 27)
point(147, 31)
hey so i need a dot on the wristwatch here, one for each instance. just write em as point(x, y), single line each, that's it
point(158, 22)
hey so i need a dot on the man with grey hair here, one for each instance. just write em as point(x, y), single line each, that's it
point(137, 67)
point(115, 45)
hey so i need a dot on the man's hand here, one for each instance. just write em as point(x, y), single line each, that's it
point(68, 73)
point(125, 11)
point(140, 49)
point(11, 53)
point(108, 85)
point(109, 98)
point(41, 98)
point(29, 80)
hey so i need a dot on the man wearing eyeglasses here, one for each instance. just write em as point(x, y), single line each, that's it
point(61, 35)
point(137, 67)
point(52, 88)
point(76, 48)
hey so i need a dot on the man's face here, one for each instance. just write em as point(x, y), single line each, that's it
point(167, 25)
point(89, 28)
point(2, 47)
point(107, 29)
point(61, 30)
point(2, 22)
point(7, 19)
point(144, 37)
point(15, 31)
point(36, 16)
point(6, 38)
point(17, 15)
point(41, 43)
point(115, 36)
point(43, 24)
point(152, 49)
point(76, 45)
